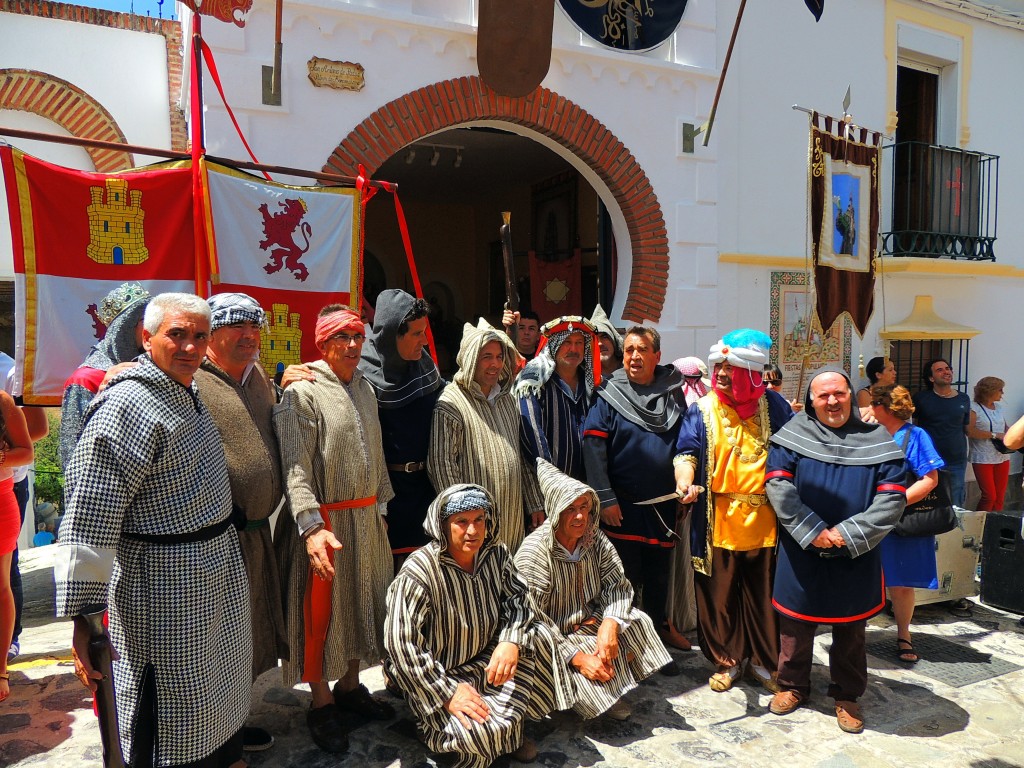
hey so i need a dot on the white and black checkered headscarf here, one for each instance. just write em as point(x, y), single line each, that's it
point(231, 308)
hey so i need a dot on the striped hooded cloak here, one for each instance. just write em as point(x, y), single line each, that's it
point(442, 626)
point(577, 591)
point(474, 439)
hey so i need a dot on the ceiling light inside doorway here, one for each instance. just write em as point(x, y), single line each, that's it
point(436, 157)
point(410, 157)
point(458, 158)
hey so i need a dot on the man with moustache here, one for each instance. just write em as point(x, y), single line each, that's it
point(555, 390)
point(629, 440)
point(336, 554)
point(241, 400)
point(838, 488)
point(147, 534)
point(723, 443)
point(407, 385)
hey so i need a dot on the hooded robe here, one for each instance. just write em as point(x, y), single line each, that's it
point(577, 590)
point(407, 392)
point(443, 625)
point(475, 439)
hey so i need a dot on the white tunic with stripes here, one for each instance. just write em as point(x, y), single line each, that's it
point(149, 461)
point(444, 623)
point(578, 591)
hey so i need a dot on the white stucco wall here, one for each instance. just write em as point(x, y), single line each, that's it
point(642, 99)
point(124, 71)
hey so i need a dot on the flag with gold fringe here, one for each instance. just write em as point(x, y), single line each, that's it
point(293, 249)
point(77, 235)
point(843, 184)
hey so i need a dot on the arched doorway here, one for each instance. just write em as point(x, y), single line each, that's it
point(418, 120)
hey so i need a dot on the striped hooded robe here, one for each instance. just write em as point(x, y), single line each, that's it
point(443, 625)
point(570, 589)
point(330, 443)
point(149, 462)
point(476, 440)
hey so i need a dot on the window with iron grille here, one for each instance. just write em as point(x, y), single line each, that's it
point(909, 357)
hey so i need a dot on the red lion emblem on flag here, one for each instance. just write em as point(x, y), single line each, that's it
point(278, 237)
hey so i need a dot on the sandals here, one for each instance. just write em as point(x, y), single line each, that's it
point(723, 680)
point(905, 651)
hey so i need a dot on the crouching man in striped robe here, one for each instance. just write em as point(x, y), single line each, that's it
point(463, 641)
point(576, 579)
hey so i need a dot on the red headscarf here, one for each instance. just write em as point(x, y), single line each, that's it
point(747, 389)
point(336, 322)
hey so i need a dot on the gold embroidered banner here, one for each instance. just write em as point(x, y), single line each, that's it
point(843, 183)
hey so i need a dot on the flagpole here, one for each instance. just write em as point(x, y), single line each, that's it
point(171, 154)
point(721, 78)
point(201, 255)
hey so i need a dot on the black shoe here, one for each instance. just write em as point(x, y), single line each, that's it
point(255, 739)
point(962, 608)
point(360, 701)
point(670, 670)
point(326, 729)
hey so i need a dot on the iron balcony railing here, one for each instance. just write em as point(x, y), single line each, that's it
point(944, 202)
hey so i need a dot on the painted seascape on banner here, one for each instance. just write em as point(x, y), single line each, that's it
point(77, 235)
point(294, 249)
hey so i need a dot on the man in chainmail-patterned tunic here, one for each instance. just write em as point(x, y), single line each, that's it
point(464, 642)
point(577, 581)
point(336, 555)
point(474, 437)
point(147, 534)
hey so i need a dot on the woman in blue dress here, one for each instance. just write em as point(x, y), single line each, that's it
point(908, 562)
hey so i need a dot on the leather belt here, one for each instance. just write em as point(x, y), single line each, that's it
point(409, 466)
point(753, 499)
point(208, 533)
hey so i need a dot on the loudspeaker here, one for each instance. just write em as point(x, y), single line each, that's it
point(1002, 562)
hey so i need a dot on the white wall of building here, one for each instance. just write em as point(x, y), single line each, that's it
point(124, 71)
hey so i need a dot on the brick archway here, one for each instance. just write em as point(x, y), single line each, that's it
point(68, 106)
point(454, 102)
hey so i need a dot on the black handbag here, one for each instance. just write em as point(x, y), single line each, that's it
point(932, 515)
point(997, 442)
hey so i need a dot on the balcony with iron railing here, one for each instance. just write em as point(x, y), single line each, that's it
point(944, 202)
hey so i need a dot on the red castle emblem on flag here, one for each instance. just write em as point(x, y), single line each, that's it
point(278, 237)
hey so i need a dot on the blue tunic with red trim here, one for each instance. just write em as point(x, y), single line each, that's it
point(626, 463)
point(840, 584)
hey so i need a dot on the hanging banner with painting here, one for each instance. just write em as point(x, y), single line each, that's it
point(800, 347)
point(843, 182)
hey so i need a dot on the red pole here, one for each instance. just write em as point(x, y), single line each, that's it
point(202, 258)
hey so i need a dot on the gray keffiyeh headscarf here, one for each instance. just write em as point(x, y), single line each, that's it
point(231, 308)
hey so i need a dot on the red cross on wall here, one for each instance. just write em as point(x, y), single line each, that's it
point(955, 184)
